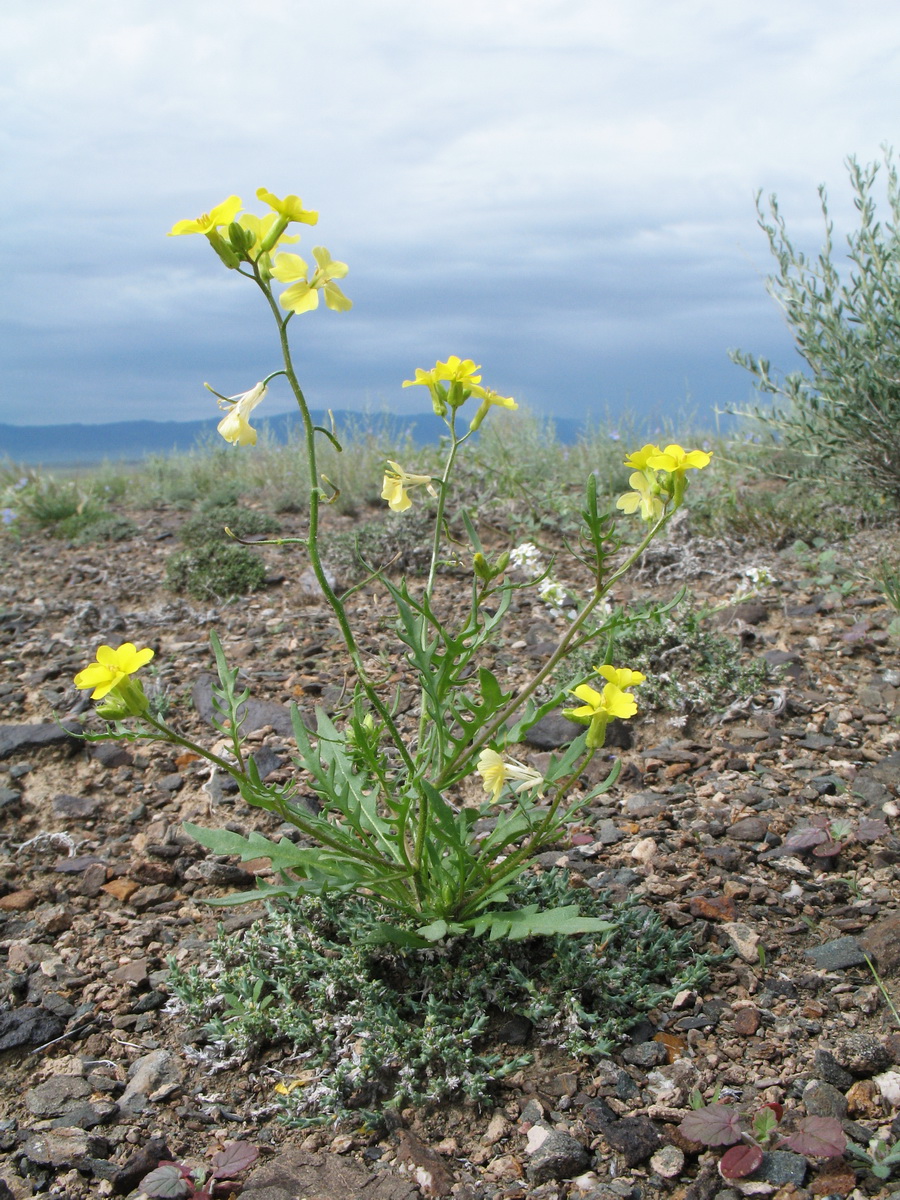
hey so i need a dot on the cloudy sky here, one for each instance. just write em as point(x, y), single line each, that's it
point(560, 189)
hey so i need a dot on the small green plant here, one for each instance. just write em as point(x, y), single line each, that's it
point(173, 1180)
point(689, 667)
point(91, 526)
point(842, 417)
point(821, 561)
point(217, 570)
point(749, 1137)
point(888, 579)
point(880, 1157)
point(827, 837)
point(379, 1026)
point(48, 503)
point(221, 523)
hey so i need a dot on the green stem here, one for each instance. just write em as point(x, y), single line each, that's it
point(600, 591)
point(313, 539)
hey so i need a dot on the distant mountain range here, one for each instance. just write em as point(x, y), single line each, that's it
point(131, 441)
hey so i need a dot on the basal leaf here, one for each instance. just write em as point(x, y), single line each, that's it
point(713, 1125)
point(822, 1137)
point(740, 1161)
point(234, 1158)
point(166, 1181)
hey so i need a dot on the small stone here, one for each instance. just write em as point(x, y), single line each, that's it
point(824, 1100)
point(881, 942)
point(668, 1162)
point(645, 850)
point(837, 954)
point(864, 1100)
point(14, 738)
point(750, 829)
point(827, 1068)
point(862, 1054)
point(647, 1054)
point(63, 1147)
point(134, 973)
point(836, 1179)
point(636, 1138)
point(889, 1086)
point(644, 804)
point(92, 879)
point(55, 1095)
point(744, 939)
point(141, 1163)
point(780, 1167)
point(153, 1073)
point(560, 1156)
point(608, 833)
point(498, 1128)
point(28, 1026)
point(77, 807)
point(746, 1021)
point(123, 889)
point(19, 901)
point(425, 1165)
point(715, 908)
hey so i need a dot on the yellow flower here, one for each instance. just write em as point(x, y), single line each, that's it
point(290, 207)
point(622, 677)
point(640, 458)
point(458, 370)
point(495, 771)
point(488, 398)
point(396, 482)
point(235, 426)
point(304, 295)
point(644, 497)
point(222, 214)
point(112, 668)
point(673, 458)
point(598, 709)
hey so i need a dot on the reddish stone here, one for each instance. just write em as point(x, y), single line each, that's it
point(746, 1021)
point(19, 901)
point(122, 889)
point(717, 908)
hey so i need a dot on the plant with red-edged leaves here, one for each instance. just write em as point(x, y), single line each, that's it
point(173, 1180)
point(826, 837)
point(747, 1138)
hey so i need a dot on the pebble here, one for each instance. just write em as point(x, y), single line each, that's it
point(151, 1076)
point(862, 1054)
point(559, 1156)
point(881, 942)
point(822, 1099)
point(743, 938)
point(838, 954)
point(667, 1162)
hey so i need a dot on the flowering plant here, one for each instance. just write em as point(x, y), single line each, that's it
point(393, 821)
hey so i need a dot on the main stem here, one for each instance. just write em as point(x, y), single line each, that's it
point(312, 544)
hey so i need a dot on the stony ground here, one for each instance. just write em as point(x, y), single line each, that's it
point(99, 886)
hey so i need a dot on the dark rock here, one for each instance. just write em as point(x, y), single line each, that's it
point(636, 1138)
point(559, 1156)
point(648, 1054)
point(750, 829)
point(837, 954)
point(141, 1163)
point(862, 1054)
point(28, 1026)
point(219, 874)
point(827, 1068)
point(645, 804)
point(723, 856)
point(79, 807)
point(881, 942)
point(256, 713)
point(324, 1176)
point(824, 1100)
point(14, 738)
point(425, 1164)
point(111, 755)
point(780, 1167)
point(555, 730)
point(267, 760)
point(56, 1095)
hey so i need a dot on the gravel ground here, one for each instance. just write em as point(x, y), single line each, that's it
point(99, 886)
